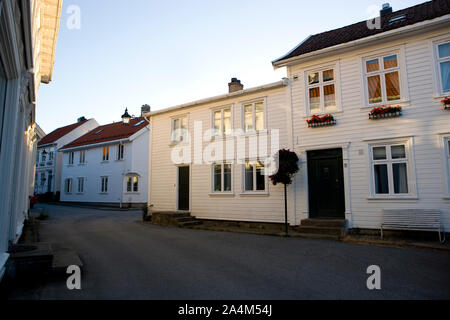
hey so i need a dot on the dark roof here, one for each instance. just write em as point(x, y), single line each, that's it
point(59, 133)
point(422, 12)
point(110, 132)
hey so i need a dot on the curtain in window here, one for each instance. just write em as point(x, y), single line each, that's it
point(374, 84)
point(392, 86)
point(445, 74)
point(400, 178)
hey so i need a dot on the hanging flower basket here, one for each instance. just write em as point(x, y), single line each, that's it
point(446, 103)
point(385, 112)
point(316, 121)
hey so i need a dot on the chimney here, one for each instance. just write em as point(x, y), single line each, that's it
point(235, 85)
point(81, 119)
point(145, 109)
point(386, 9)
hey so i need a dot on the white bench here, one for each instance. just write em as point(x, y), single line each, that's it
point(412, 219)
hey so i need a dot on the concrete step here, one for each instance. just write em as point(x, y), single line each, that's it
point(321, 230)
point(318, 236)
point(190, 223)
point(323, 223)
point(184, 219)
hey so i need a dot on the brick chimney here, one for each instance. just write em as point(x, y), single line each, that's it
point(235, 85)
point(145, 109)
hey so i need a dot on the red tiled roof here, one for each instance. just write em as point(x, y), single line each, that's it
point(110, 132)
point(59, 133)
point(419, 13)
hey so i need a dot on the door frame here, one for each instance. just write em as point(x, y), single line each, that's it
point(302, 151)
point(178, 187)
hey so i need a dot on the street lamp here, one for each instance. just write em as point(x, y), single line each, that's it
point(126, 117)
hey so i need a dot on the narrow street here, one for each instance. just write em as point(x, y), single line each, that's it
point(124, 259)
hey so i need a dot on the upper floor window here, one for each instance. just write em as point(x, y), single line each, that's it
point(80, 185)
point(44, 156)
point(179, 129)
point(132, 184)
point(254, 117)
point(120, 149)
point(383, 79)
point(222, 177)
point(321, 87)
point(71, 157)
point(51, 156)
point(82, 156)
point(105, 154)
point(444, 66)
point(254, 178)
point(222, 122)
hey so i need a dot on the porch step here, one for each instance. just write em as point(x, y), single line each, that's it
point(176, 219)
point(189, 223)
point(323, 223)
point(320, 230)
point(318, 236)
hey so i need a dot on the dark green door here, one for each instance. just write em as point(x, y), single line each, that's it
point(183, 188)
point(326, 184)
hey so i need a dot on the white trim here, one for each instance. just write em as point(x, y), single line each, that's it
point(220, 134)
point(444, 140)
point(253, 102)
point(434, 43)
point(213, 192)
point(255, 192)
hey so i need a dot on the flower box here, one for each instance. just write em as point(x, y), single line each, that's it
point(324, 121)
point(385, 112)
point(446, 103)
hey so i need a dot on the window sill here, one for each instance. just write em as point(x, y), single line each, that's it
point(70, 166)
point(105, 162)
point(119, 160)
point(309, 115)
point(254, 194)
point(80, 194)
point(180, 143)
point(389, 103)
point(132, 193)
point(222, 194)
point(82, 164)
point(393, 198)
point(103, 193)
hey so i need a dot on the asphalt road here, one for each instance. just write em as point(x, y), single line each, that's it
point(124, 259)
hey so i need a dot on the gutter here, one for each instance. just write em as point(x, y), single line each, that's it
point(88, 146)
point(360, 42)
point(269, 86)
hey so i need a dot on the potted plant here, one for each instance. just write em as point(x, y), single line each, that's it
point(446, 103)
point(385, 112)
point(317, 121)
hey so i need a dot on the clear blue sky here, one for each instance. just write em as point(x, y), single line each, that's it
point(164, 53)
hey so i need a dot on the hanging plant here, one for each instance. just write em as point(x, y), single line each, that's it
point(385, 112)
point(317, 121)
point(446, 103)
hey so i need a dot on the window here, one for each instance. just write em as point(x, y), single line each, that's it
point(80, 185)
point(104, 185)
point(221, 177)
point(43, 179)
point(82, 156)
point(443, 51)
point(50, 156)
point(254, 178)
point(105, 153)
point(222, 122)
point(179, 129)
point(254, 117)
point(383, 79)
point(132, 184)
point(44, 156)
point(120, 149)
point(390, 169)
point(71, 157)
point(321, 91)
point(68, 186)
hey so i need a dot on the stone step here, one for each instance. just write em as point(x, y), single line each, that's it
point(184, 219)
point(190, 223)
point(318, 236)
point(323, 223)
point(321, 230)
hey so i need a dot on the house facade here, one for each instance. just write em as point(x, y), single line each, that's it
point(361, 106)
point(49, 161)
point(108, 165)
point(27, 51)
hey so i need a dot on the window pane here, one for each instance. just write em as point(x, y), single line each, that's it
point(129, 184)
point(379, 153)
point(390, 62)
point(313, 78)
point(374, 85)
point(330, 97)
point(314, 99)
point(445, 76)
point(227, 122)
point(398, 152)
point(400, 178)
point(248, 117)
point(392, 86)
point(248, 176)
point(227, 177)
point(259, 116)
point(444, 50)
point(328, 75)
point(218, 178)
point(381, 179)
point(217, 121)
point(260, 179)
point(183, 123)
point(372, 65)
point(135, 184)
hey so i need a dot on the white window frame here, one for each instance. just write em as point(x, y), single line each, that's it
point(410, 164)
point(445, 154)
point(120, 152)
point(222, 191)
point(254, 191)
point(82, 158)
point(401, 68)
point(71, 158)
point(132, 184)
point(253, 103)
point(335, 66)
point(83, 185)
point(434, 43)
point(104, 187)
point(181, 139)
point(68, 185)
point(222, 109)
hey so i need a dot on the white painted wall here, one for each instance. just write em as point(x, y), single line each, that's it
point(423, 119)
point(135, 161)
